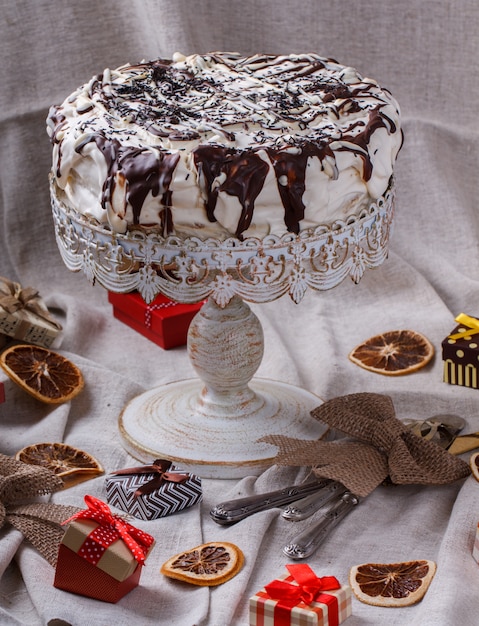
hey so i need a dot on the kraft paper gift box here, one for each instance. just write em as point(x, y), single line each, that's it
point(301, 598)
point(460, 353)
point(24, 316)
point(101, 555)
point(152, 491)
point(162, 321)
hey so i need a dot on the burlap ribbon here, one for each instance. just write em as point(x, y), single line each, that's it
point(159, 469)
point(381, 448)
point(13, 299)
point(40, 523)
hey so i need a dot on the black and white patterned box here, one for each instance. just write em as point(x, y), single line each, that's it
point(131, 491)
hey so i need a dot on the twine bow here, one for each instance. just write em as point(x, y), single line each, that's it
point(382, 447)
point(466, 320)
point(308, 586)
point(113, 527)
point(13, 299)
point(160, 468)
point(40, 523)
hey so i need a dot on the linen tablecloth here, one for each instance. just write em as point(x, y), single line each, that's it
point(426, 54)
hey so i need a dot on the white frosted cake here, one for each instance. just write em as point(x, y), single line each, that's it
point(222, 145)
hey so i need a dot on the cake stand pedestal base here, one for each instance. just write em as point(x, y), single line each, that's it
point(175, 423)
point(211, 426)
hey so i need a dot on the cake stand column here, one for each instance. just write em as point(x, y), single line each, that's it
point(225, 346)
point(211, 425)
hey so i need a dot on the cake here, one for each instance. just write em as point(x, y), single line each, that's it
point(224, 145)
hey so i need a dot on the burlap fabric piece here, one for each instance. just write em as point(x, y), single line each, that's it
point(382, 448)
point(40, 523)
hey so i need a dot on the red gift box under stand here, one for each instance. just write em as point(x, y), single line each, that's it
point(163, 321)
point(101, 555)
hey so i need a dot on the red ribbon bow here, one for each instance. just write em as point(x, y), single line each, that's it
point(111, 527)
point(308, 586)
point(160, 467)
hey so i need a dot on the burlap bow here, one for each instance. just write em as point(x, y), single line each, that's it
point(40, 523)
point(383, 447)
point(13, 299)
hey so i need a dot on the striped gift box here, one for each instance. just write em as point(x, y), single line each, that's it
point(330, 608)
point(168, 498)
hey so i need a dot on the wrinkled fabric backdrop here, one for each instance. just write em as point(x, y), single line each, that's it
point(426, 54)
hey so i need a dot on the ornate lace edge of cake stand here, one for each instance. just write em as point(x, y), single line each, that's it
point(258, 270)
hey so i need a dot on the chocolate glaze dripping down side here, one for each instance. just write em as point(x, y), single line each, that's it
point(290, 171)
point(143, 172)
point(245, 173)
point(376, 120)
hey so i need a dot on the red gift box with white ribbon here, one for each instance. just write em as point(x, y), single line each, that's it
point(101, 555)
point(163, 321)
point(301, 599)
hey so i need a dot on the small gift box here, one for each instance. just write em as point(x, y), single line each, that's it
point(301, 599)
point(162, 321)
point(460, 353)
point(2, 392)
point(101, 555)
point(152, 491)
point(24, 316)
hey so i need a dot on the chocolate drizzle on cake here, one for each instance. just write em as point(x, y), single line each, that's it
point(242, 175)
point(141, 171)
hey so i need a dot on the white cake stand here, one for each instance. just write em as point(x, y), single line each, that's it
point(211, 425)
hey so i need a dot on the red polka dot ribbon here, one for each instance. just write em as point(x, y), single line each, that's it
point(110, 529)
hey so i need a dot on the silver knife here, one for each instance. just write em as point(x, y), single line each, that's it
point(232, 511)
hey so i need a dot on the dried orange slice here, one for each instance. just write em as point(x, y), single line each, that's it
point(208, 564)
point(46, 375)
point(393, 353)
point(474, 464)
point(393, 584)
point(71, 464)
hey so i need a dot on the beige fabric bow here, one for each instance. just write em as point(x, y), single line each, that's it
point(40, 523)
point(13, 298)
point(383, 447)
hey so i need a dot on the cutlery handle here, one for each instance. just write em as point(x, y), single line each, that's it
point(306, 543)
point(304, 508)
point(232, 511)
